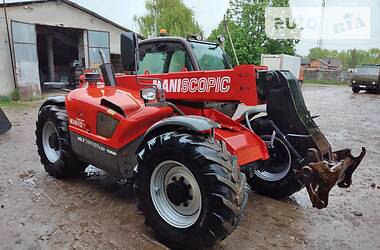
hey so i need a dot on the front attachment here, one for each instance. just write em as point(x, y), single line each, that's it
point(5, 125)
point(315, 165)
point(322, 176)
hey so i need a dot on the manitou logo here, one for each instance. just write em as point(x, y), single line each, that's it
point(192, 85)
point(77, 122)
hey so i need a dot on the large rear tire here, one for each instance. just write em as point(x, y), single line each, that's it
point(276, 177)
point(53, 142)
point(189, 192)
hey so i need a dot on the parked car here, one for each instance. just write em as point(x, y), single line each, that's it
point(366, 77)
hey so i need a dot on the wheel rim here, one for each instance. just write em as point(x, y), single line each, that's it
point(175, 194)
point(50, 142)
point(278, 166)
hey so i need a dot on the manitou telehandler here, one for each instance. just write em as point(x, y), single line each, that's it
point(166, 125)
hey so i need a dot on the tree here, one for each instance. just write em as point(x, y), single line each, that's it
point(354, 58)
point(246, 22)
point(349, 58)
point(319, 53)
point(374, 55)
point(172, 15)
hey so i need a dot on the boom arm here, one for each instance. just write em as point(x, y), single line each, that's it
point(232, 85)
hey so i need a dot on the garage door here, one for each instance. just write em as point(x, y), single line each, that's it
point(26, 59)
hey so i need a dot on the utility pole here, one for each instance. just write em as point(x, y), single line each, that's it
point(10, 45)
point(155, 18)
point(230, 38)
point(321, 25)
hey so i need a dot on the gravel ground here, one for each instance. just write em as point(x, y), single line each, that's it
point(96, 212)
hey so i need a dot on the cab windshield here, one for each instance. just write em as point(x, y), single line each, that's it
point(210, 56)
point(370, 71)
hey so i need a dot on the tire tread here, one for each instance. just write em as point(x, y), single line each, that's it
point(68, 165)
point(224, 193)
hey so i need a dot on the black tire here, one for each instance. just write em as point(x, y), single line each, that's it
point(355, 89)
point(224, 192)
point(284, 187)
point(67, 164)
point(229, 109)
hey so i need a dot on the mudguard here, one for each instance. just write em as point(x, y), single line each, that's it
point(198, 124)
point(5, 124)
point(55, 100)
point(192, 122)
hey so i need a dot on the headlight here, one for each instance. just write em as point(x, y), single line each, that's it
point(374, 83)
point(149, 94)
point(353, 81)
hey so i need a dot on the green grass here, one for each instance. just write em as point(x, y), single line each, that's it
point(13, 100)
point(324, 82)
point(6, 102)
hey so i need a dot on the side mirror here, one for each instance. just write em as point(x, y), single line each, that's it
point(129, 51)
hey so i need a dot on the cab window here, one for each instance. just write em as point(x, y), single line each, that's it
point(210, 56)
point(163, 57)
point(153, 63)
point(178, 61)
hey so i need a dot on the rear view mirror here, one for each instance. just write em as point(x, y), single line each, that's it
point(129, 51)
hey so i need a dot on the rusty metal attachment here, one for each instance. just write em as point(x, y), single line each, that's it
point(322, 176)
point(5, 125)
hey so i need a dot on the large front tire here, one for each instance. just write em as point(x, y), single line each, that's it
point(189, 192)
point(276, 177)
point(53, 142)
point(355, 89)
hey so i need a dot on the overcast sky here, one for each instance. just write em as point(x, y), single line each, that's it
point(210, 12)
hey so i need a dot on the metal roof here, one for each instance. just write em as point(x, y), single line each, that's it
point(329, 62)
point(74, 5)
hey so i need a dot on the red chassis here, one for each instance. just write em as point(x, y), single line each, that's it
point(190, 161)
point(135, 118)
point(235, 85)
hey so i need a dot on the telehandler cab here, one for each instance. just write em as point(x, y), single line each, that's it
point(166, 125)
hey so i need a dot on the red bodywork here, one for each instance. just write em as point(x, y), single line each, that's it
point(238, 84)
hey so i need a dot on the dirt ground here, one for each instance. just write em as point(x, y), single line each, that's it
point(39, 212)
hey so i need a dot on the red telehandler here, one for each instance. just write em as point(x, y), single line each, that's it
point(166, 125)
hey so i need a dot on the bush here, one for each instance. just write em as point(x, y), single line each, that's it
point(15, 95)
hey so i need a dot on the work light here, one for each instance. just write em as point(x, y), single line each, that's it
point(148, 94)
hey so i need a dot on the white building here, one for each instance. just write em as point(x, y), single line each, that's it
point(46, 38)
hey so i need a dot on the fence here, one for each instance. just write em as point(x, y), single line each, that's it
point(342, 75)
